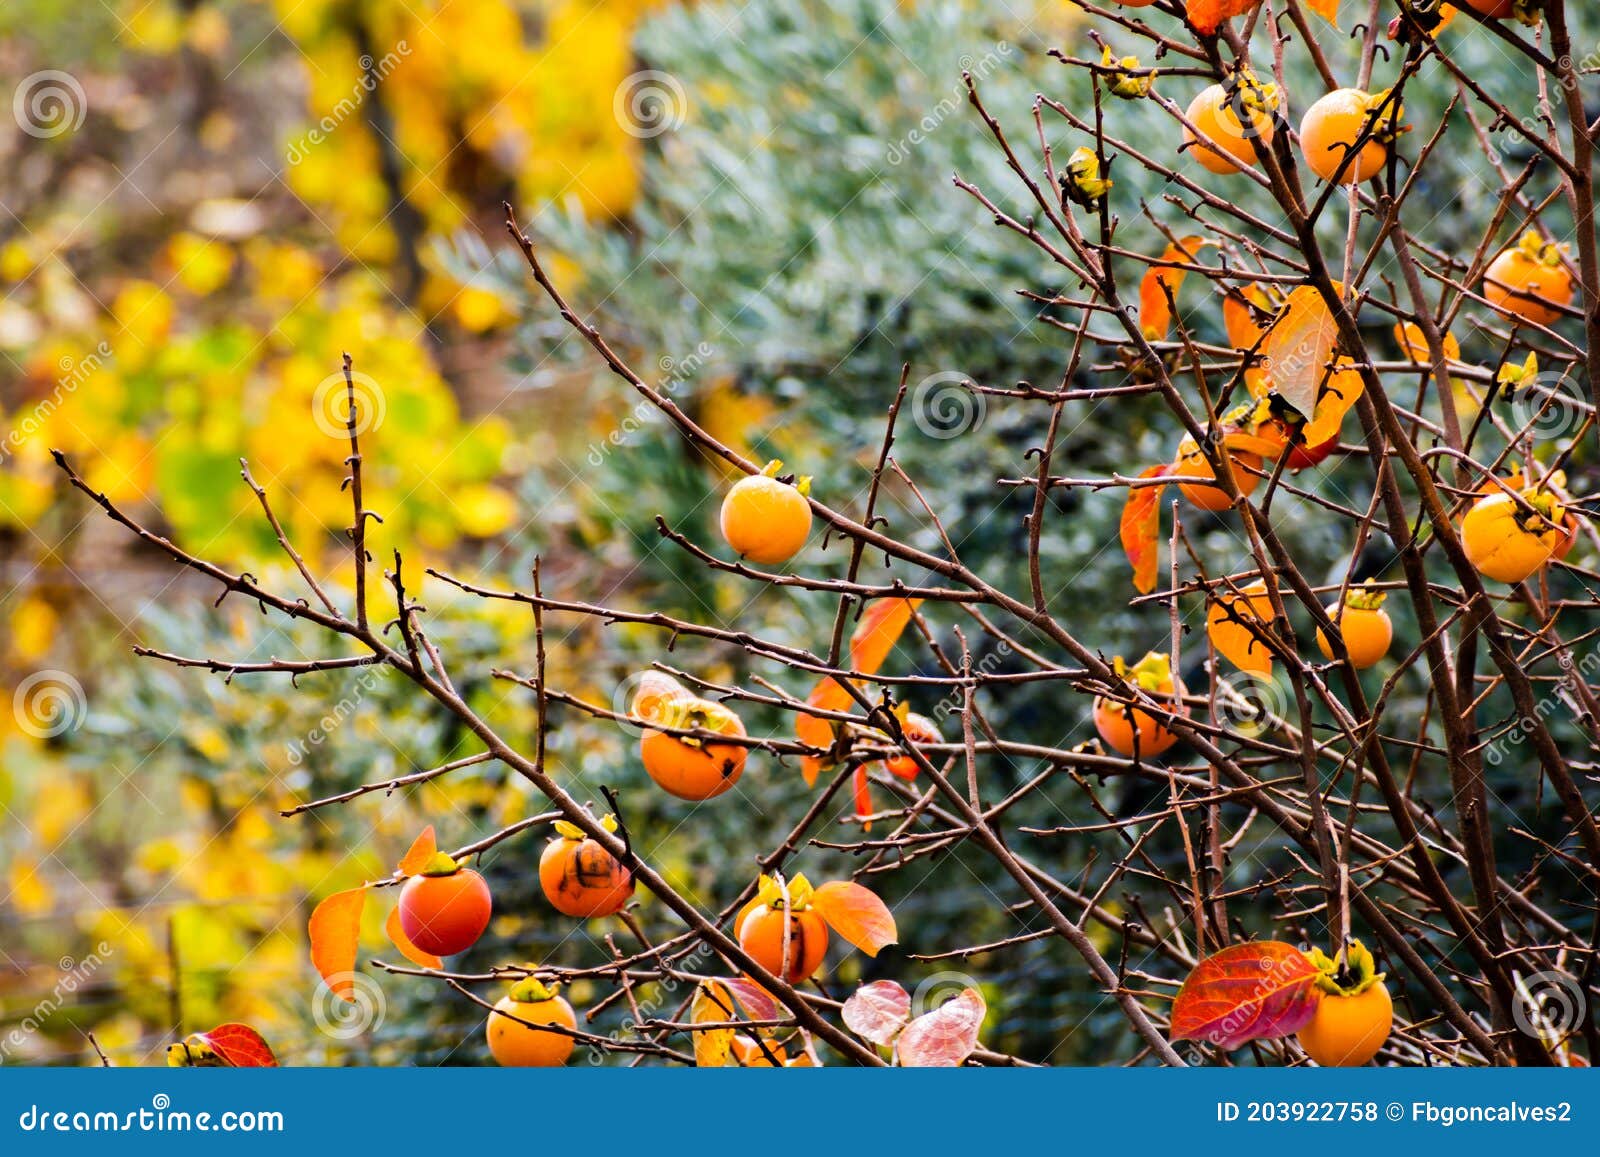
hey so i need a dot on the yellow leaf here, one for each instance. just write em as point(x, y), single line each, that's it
point(30, 894)
point(33, 629)
point(713, 1004)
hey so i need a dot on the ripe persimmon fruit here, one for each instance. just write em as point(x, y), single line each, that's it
point(445, 908)
point(1363, 625)
point(1508, 540)
point(579, 877)
point(1230, 121)
point(1333, 125)
point(1229, 620)
point(517, 1045)
point(1190, 462)
point(686, 766)
point(1127, 729)
point(1529, 281)
point(782, 932)
point(767, 520)
point(1354, 1014)
point(1494, 8)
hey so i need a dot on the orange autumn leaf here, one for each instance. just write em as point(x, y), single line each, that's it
point(1208, 15)
point(1246, 992)
point(878, 631)
point(421, 851)
point(1141, 527)
point(1240, 320)
point(1344, 390)
point(1160, 285)
point(335, 930)
point(410, 951)
point(829, 695)
point(1299, 348)
point(1327, 9)
point(856, 914)
point(240, 1046)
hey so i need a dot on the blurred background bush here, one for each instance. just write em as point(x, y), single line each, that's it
point(756, 203)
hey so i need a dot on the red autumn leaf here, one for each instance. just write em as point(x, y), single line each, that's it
point(945, 1037)
point(1208, 15)
point(335, 931)
point(1327, 9)
point(422, 849)
point(755, 1000)
point(1141, 527)
point(241, 1046)
point(1299, 348)
point(1159, 287)
point(863, 796)
point(856, 914)
point(877, 1012)
point(1256, 991)
point(879, 629)
point(410, 951)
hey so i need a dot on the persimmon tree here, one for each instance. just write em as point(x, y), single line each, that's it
point(1306, 314)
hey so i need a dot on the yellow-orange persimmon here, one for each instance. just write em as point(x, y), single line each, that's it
point(687, 766)
point(1332, 126)
point(767, 520)
point(1363, 625)
point(1230, 122)
point(1529, 281)
point(1126, 729)
point(782, 932)
point(446, 908)
point(1355, 1013)
point(579, 877)
point(1234, 622)
point(1508, 540)
point(1243, 466)
point(517, 1045)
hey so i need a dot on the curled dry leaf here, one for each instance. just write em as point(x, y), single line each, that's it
point(335, 933)
point(877, 1012)
point(945, 1037)
point(856, 914)
point(1256, 991)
